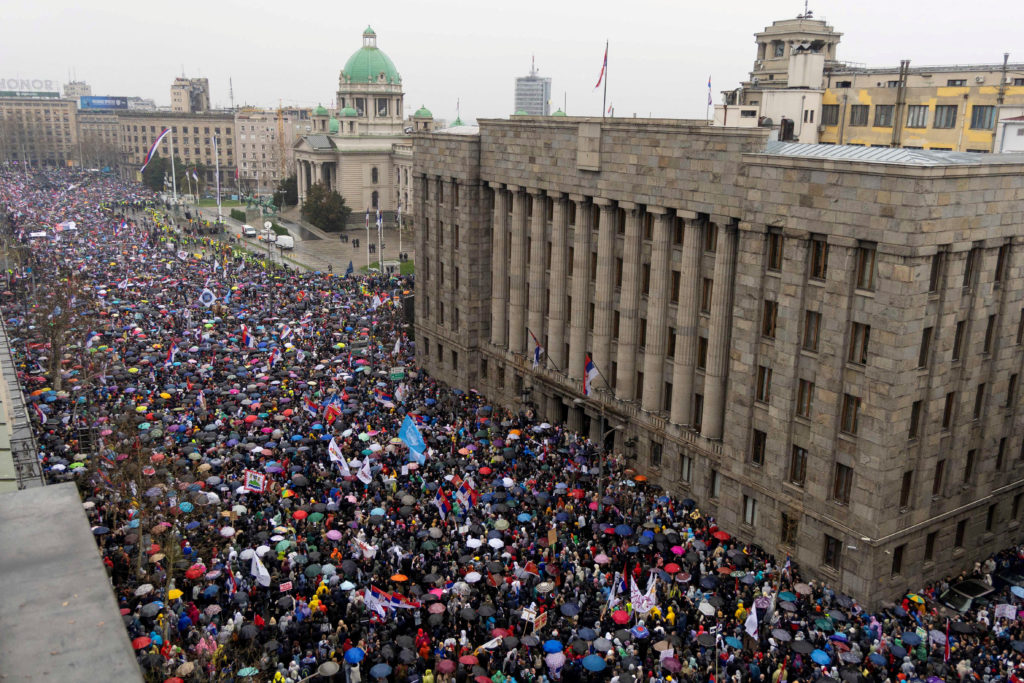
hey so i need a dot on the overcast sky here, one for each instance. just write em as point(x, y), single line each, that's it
point(661, 53)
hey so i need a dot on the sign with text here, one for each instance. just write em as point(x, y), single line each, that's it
point(286, 586)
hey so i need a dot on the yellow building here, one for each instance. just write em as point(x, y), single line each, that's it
point(801, 90)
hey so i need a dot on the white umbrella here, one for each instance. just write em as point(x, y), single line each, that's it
point(262, 550)
point(239, 509)
point(473, 577)
point(496, 543)
point(706, 608)
point(144, 589)
point(227, 532)
point(473, 543)
point(246, 554)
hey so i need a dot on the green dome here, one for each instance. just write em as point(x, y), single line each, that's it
point(423, 113)
point(333, 125)
point(457, 122)
point(521, 113)
point(349, 111)
point(369, 62)
point(559, 113)
point(320, 111)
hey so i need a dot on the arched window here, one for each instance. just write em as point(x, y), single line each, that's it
point(373, 176)
point(374, 197)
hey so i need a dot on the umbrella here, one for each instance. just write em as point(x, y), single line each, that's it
point(552, 646)
point(468, 660)
point(446, 666)
point(910, 638)
point(802, 646)
point(821, 657)
point(781, 635)
point(706, 640)
point(381, 670)
point(594, 663)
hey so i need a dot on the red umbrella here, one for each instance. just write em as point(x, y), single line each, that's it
point(141, 642)
point(174, 680)
point(445, 666)
point(721, 535)
point(300, 514)
point(482, 679)
point(620, 616)
point(485, 470)
point(576, 493)
point(672, 567)
point(468, 660)
point(499, 632)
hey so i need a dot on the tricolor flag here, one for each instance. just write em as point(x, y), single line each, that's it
point(275, 356)
point(247, 340)
point(604, 66)
point(590, 374)
point(384, 398)
point(380, 219)
point(335, 453)
point(172, 352)
point(152, 150)
point(286, 332)
point(444, 506)
point(331, 412)
point(201, 401)
point(310, 406)
point(538, 350)
point(709, 90)
point(367, 219)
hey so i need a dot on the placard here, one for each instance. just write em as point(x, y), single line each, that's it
point(286, 586)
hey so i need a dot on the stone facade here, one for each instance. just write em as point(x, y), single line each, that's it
point(767, 325)
point(192, 137)
point(39, 131)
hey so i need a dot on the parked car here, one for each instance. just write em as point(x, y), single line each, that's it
point(286, 241)
point(1006, 577)
point(248, 231)
point(966, 594)
point(268, 235)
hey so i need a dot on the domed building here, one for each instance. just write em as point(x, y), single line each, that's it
point(362, 148)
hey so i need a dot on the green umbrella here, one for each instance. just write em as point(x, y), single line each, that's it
point(429, 545)
point(364, 436)
point(248, 671)
point(315, 517)
point(824, 624)
point(312, 570)
point(282, 545)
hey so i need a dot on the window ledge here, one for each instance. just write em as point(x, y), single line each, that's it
point(870, 293)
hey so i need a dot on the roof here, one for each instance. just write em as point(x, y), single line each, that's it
point(333, 125)
point(521, 112)
point(559, 113)
point(368, 63)
point(319, 141)
point(349, 111)
point(320, 110)
point(461, 129)
point(889, 155)
point(58, 614)
point(423, 112)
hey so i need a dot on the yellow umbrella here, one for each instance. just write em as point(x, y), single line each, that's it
point(164, 394)
point(174, 594)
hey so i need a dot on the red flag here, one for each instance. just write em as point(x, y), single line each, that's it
point(604, 66)
point(531, 568)
point(491, 581)
point(945, 656)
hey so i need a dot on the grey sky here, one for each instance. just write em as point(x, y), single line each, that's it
point(661, 54)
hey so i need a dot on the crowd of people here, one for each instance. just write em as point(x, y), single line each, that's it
point(278, 491)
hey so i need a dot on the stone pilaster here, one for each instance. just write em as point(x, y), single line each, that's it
point(556, 312)
point(499, 262)
point(580, 288)
point(537, 286)
point(517, 274)
point(657, 309)
point(718, 335)
point(686, 328)
point(629, 303)
point(605, 290)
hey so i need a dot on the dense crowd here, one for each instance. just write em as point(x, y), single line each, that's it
point(278, 490)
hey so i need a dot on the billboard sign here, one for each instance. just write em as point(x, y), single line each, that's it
point(37, 85)
point(97, 102)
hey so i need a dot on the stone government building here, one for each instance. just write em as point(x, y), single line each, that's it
point(821, 345)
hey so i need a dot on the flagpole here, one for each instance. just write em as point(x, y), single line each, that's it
point(174, 176)
point(399, 237)
point(604, 98)
point(216, 157)
point(367, 241)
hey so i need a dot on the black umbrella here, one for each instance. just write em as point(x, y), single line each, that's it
point(708, 640)
point(802, 646)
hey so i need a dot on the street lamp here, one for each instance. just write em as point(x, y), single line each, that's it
point(600, 451)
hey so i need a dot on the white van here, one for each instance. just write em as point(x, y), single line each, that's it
point(248, 231)
point(286, 241)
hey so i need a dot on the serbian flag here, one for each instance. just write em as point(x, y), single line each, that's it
point(709, 91)
point(590, 374)
point(604, 66)
point(247, 340)
point(275, 356)
point(152, 150)
point(444, 506)
point(538, 350)
point(286, 332)
point(171, 353)
point(310, 406)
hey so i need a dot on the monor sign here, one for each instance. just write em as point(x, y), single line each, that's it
point(28, 84)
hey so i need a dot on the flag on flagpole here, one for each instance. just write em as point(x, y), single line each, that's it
point(351, 269)
point(444, 506)
point(590, 374)
point(538, 350)
point(604, 66)
point(172, 352)
point(709, 91)
point(751, 624)
point(152, 150)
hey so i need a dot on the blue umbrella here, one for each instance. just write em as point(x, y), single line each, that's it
point(192, 525)
point(708, 582)
point(185, 506)
point(910, 638)
point(587, 633)
point(623, 530)
point(787, 596)
point(354, 655)
point(211, 591)
point(1018, 591)
point(377, 511)
point(640, 631)
point(524, 517)
point(594, 663)
point(552, 646)
point(821, 657)
point(381, 670)
point(877, 659)
point(898, 652)
point(733, 642)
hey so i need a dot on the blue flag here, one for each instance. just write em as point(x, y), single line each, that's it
point(350, 269)
point(410, 435)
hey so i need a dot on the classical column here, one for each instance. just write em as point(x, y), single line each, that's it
point(517, 274)
point(556, 312)
point(629, 303)
point(686, 328)
point(300, 177)
point(603, 295)
point(580, 290)
point(538, 242)
point(657, 309)
point(499, 265)
point(718, 336)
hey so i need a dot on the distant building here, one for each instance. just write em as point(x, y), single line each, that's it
point(99, 134)
point(190, 95)
point(533, 94)
point(39, 131)
point(801, 90)
point(76, 89)
point(264, 144)
point(362, 149)
point(192, 137)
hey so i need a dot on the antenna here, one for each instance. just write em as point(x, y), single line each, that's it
point(231, 93)
point(533, 66)
point(458, 112)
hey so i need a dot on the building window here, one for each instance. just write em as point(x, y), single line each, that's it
point(774, 250)
point(1000, 453)
point(655, 454)
point(673, 292)
point(925, 348)
point(593, 266)
point(645, 277)
point(715, 487)
point(1020, 328)
point(1001, 259)
point(958, 339)
point(833, 555)
point(897, 560)
point(859, 336)
point(983, 117)
point(812, 325)
point(830, 114)
point(618, 273)
point(749, 510)
point(947, 411)
point(1015, 510)
point(851, 414)
point(710, 237)
point(702, 353)
point(915, 420)
point(764, 384)
point(979, 401)
point(961, 531)
point(842, 482)
point(970, 267)
point(788, 530)
point(698, 411)
point(770, 315)
point(945, 116)
point(798, 465)
point(1011, 391)
point(859, 115)
point(905, 488)
point(666, 401)
point(804, 395)
point(705, 295)
point(819, 258)
point(375, 199)
point(990, 517)
point(757, 448)
point(685, 467)
point(866, 267)
point(670, 343)
point(990, 334)
point(917, 115)
point(883, 115)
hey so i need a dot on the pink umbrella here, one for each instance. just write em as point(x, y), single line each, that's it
point(677, 550)
point(334, 535)
point(601, 558)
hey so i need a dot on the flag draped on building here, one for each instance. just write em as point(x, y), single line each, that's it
point(590, 374)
